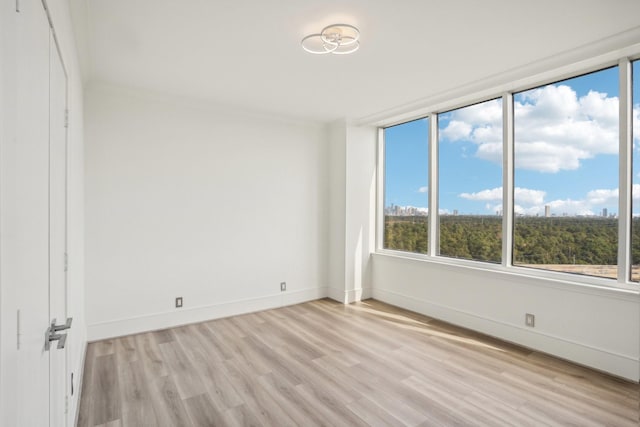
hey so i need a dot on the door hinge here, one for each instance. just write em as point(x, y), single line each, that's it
point(18, 6)
point(66, 118)
point(66, 261)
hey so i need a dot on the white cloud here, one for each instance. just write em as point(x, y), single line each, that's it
point(571, 207)
point(557, 207)
point(492, 194)
point(602, 197)
point(424, 189)
point(554, 128)
point(522, 195)
point(479, 123)
point(491, 151)
point(456, 130)
point(532, 202)
point(532, 210)
point(485, 113)
point(528, 196)
point(591, 204)
point(548, 157)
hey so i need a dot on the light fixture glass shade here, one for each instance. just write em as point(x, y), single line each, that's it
point(340, 39)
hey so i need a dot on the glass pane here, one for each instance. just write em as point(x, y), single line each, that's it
point(635, 219)
point(566, 175)
point(406, 150)
point(470, 182)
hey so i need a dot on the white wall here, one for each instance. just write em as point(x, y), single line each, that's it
point(184, 199)
point(352, 204)
point(591, 326)
point(337, 209)
point(360, 210)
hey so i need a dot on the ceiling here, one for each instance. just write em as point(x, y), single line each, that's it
point(246, 53)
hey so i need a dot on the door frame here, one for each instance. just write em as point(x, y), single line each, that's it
point(58, 228)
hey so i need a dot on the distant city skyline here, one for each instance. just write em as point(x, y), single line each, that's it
point(395, 210)
point(566, 153)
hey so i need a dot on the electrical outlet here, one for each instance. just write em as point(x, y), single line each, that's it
point(178, 302)
point(530, 320)
point(283, 286)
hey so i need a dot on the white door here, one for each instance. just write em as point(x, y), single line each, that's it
point(34, 218)
point(57, 232)
point(26, 213)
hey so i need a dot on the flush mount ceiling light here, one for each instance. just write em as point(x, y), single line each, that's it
point(338, 39)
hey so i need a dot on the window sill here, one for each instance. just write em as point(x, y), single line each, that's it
point(529, 276)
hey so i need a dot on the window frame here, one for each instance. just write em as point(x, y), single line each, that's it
point(381, 194)
point(621, 188)
point(438, 242)
point(623, 59)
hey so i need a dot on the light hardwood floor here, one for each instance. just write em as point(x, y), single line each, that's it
point(324, 363)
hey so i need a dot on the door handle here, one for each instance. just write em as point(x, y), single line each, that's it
point(57, 328)
point(52, 336)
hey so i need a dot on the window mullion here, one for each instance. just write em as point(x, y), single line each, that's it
point(507, 179)
point(624, 198)
point(434, 232)
point(381, 190)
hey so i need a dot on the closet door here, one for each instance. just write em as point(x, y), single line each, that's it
point(33, 219)
point(25, 212)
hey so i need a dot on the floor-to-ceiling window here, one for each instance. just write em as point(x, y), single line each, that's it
point(561, 169)
point(406, 160)
point(470, 182)
point(566, 176)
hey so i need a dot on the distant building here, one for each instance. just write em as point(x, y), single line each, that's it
point(547, 211)
point(604, 212)
point(455, 212)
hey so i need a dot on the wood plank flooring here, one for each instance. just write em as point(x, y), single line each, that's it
point(324, 363)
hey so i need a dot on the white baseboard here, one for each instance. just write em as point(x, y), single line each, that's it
point(336, 294)
point(617, 364)
point(347, 297)
point(152, 322)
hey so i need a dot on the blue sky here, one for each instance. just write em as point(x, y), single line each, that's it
point(566, 152)
point(406, 160)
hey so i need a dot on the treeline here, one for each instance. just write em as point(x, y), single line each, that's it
point(537, 240)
